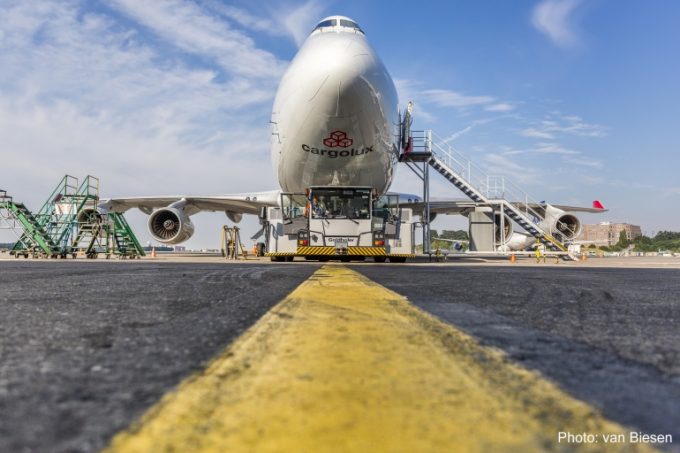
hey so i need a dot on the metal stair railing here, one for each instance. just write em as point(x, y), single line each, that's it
point(482, 188)
point(87, 222)
point(68, 222)
point(47, 217)
point(34, 236)
point(124, 237)
point(67, 205)
point(65, 216)
point(68, 186)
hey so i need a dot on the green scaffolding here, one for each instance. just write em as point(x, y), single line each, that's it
point(69, 223)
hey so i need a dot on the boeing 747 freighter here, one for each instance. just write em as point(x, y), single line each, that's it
point(335, 141)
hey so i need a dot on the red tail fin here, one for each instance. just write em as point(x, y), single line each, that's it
point(598, 205)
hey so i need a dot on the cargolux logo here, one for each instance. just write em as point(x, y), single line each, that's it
point(338, 139)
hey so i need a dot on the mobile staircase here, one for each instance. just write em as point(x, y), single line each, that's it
point(96, 233)
point(55, 218)
point(485, 190)
point(120, 239)
point(69, 223)
point(76, 220)
point(34, 240)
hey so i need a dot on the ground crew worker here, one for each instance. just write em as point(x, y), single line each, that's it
point(538, 251)
point(319, 208)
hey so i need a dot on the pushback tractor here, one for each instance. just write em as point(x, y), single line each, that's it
point(345, 223)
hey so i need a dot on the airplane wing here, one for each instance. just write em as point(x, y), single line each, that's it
point(247, 203)
point(596, 209)
point(463, 206)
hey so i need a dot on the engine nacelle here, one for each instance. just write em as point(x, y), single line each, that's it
point(506, 227)
point(562, 225)
point(170, 226)
point(234, 216)
point(89, 215)
point(517, 242)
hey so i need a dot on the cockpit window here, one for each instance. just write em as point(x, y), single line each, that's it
point(344, 23)
point(327, 23)
point(350, 24)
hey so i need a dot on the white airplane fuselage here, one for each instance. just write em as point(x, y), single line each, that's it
point(335, 116)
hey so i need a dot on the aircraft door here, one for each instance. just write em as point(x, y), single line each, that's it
point(293, 209)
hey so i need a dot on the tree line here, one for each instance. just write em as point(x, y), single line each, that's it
point(663, 240)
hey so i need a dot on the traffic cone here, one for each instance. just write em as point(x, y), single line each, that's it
point(153, 252)
point(512, 258)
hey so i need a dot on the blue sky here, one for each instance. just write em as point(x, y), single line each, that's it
point(574, 100)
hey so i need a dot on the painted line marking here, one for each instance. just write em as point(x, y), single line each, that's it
point(344, 364)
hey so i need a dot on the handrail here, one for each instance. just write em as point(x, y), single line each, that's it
point(66, 187)
point(492, 187)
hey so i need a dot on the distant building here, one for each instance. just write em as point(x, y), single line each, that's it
point(606, 233)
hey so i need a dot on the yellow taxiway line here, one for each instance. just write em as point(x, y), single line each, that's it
point(344, 364)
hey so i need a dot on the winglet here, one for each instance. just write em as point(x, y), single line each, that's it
point(597, 204)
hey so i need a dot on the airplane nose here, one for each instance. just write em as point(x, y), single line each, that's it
point(346, 57)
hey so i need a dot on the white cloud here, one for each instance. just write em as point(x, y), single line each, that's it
point(194, 30)
point(243, 17)
point(556, 123)
point(535, 133)
point(86, 93)
point(553, 18)
point(449, 98)
point(573, 125)
point(300, 21)
point(543, 148)
point(582, 162)
point(408, 91)
point(501, 107)
point(438, 97)
point(497, 164)
point(456, 135)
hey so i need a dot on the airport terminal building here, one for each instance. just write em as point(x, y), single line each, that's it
point(607, 233)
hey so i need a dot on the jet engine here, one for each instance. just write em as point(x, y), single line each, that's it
point(562, 225)
point(170, 225)
point(507, 227)
point(517, 241)
point(89, 215)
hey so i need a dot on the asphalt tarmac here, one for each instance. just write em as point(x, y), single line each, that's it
point(608, 336)
point(86, 347)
